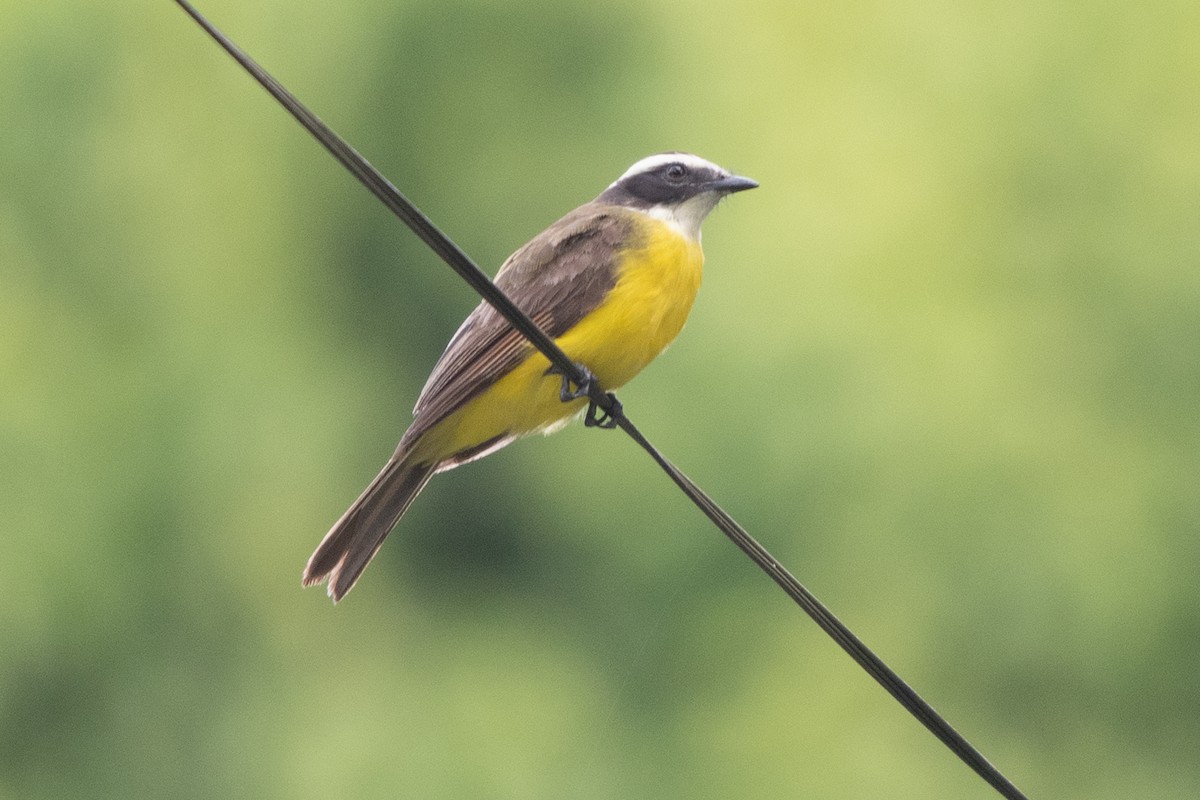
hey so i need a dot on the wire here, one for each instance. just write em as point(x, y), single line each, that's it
point(461, 263)
point(403, 208)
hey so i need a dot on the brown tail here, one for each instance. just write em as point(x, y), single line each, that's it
point(355, 538)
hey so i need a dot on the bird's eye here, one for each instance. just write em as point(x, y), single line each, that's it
point(676, 172)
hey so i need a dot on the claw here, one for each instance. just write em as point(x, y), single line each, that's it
point(596, 416)
point(566, 393)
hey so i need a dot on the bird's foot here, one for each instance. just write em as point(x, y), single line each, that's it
point(596, 416)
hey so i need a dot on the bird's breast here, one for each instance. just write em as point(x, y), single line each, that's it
point(658, 275)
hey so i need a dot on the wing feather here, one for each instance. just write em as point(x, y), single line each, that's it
point(557, 279)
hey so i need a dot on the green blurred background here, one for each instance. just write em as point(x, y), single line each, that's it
point(945, 365)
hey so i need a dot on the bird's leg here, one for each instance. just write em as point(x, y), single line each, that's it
point(596, 417)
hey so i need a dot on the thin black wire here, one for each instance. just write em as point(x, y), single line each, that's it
point(408, 213)
point(461, 263)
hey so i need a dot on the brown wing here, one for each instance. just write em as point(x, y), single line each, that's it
point(557, 278)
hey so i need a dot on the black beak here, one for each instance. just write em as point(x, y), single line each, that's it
point(733, 183)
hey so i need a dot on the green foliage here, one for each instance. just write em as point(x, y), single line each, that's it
point(945, 365)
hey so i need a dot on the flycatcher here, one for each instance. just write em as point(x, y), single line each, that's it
point(612, 283)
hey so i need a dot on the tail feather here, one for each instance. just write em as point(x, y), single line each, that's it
point(355, 538)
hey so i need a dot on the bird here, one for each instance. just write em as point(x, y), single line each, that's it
point(612, 283)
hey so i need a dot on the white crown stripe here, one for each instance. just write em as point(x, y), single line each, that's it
point(650, 163)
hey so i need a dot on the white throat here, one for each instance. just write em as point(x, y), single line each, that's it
point(686, 217)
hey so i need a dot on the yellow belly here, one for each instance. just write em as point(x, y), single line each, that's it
point(647, 307)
